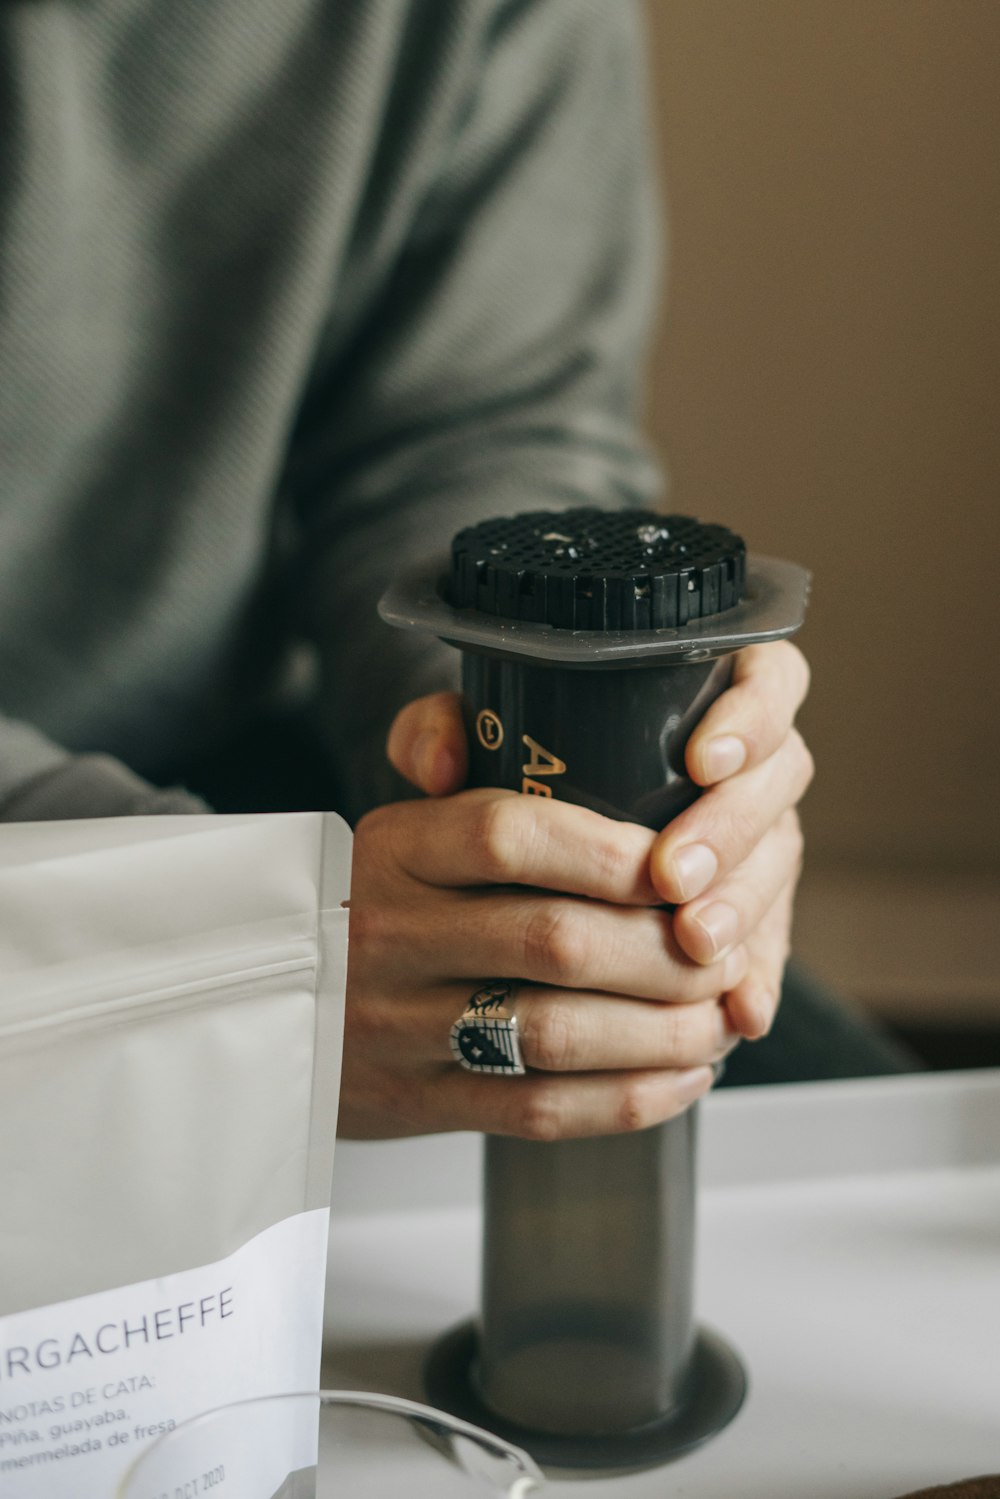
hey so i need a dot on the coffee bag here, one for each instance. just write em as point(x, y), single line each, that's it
point(171, 1016)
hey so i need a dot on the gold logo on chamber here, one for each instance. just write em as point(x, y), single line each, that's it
point(489, 729)
point(542, 763)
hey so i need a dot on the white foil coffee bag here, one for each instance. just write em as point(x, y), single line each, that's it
point(171, 1018)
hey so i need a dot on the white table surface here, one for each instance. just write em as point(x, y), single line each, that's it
point(848, 1246)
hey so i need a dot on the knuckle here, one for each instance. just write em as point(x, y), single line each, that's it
point(791, 827)
point(792, 854)
point(738, 830)
point(632, 1110)
point(541, 1116)
point(611, 859)
point(549, 1034)
point(502, 834)
point(554, 942)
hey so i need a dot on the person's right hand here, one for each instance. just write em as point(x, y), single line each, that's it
point(618, 1026)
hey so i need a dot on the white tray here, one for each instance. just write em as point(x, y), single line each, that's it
point(849, 1247)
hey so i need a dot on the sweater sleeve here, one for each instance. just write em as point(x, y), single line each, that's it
point(40, 781)
point(498, 367)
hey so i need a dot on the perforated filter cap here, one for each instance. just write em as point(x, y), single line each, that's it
point(590, 569)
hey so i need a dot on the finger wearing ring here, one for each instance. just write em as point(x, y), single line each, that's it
point(484, 1038)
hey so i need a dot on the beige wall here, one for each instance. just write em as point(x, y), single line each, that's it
point(826, 380)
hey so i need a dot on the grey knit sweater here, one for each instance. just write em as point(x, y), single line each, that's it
point(288, 293)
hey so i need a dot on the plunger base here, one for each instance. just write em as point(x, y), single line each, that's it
point(716, 1390)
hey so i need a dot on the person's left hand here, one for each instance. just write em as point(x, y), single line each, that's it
point(731, 861)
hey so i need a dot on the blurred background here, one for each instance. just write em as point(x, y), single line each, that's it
point(825, 380)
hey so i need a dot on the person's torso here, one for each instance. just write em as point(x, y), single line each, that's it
point(191, 195)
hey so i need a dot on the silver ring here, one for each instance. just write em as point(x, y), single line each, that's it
point(484, 1038)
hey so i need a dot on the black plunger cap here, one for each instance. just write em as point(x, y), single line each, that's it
point(589, 569)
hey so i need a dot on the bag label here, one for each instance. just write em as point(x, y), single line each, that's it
point(86, 1384)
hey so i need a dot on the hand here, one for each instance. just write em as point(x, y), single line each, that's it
point(731, 861)
point(617, 1021)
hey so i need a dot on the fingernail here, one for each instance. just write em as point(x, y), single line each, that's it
point(734, 968)
point(723, 757)
point(757, 1011)
point(763, 1009)
point(724, 1033)
point(695, 868)
point(721, 926)
point(693, 1082)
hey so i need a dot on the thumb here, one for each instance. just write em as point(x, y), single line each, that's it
point(426, 743)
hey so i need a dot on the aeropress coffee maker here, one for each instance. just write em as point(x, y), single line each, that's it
point(592, 642)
